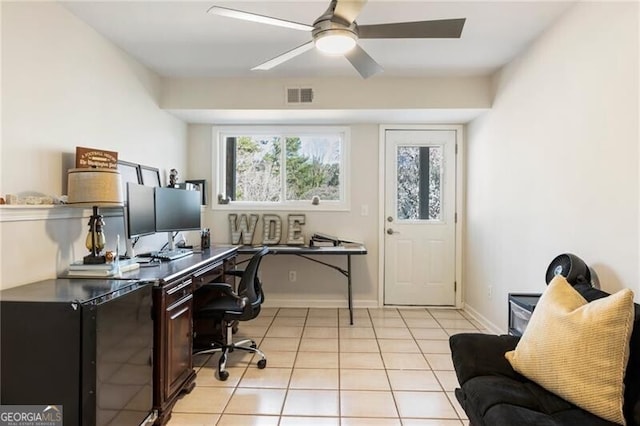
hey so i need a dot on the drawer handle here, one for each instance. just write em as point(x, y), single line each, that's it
point(177, 314)
point(178, 303)
point(178, 288)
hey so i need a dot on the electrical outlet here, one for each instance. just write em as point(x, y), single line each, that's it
point(293, 276)
point(490, 291)
point(364, 210)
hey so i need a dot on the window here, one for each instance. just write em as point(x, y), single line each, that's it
point(419, 175)
point(293, 167)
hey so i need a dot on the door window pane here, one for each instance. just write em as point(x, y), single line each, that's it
point(419, 177)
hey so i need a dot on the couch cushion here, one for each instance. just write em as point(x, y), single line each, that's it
point(632, 376)
point(477, 354)
point(501, 401)
point(578, 350)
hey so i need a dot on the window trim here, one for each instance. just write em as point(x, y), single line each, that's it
point(219, 163)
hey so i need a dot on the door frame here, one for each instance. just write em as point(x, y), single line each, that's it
point(459, 199)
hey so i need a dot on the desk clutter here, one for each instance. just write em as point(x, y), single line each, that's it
point(324, 240)
point(109, 269)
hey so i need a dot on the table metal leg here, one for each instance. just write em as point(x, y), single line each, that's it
point(349, 289)
point(346, 273)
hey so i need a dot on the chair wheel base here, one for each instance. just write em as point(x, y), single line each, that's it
point(262, 363)
point(223, 375)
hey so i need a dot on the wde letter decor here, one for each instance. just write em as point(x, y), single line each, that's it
point(272, 227)
point(244, 229)
point(295, 230)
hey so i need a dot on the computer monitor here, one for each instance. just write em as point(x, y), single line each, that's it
point(177, 209)
point(140, 210)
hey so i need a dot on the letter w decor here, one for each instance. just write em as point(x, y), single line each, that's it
point(244, 229)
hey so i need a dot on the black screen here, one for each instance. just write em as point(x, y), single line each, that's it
point(141, 219)
point(177, 209)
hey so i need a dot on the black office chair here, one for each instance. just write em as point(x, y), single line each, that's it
point(231, 306)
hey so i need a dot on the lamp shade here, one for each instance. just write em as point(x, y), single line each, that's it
point(90, 187)
point(335, 42)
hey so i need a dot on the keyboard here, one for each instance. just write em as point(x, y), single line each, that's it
point(174, 254)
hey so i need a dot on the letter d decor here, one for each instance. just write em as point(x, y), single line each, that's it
point(272, 227)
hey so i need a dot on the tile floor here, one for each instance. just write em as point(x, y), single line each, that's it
point(392, 367)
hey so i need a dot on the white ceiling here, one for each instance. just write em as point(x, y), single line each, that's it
point(179, 39)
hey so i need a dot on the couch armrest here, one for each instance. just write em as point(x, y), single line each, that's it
point(475, 354)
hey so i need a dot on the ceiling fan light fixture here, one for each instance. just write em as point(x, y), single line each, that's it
point(335, 42)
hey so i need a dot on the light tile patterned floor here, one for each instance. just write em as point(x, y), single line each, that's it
point(392, 367)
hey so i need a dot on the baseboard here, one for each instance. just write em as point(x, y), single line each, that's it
point(272, 302)
point(484, 321)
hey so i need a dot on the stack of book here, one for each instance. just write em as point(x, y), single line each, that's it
point(324, 240)
point(102, 269)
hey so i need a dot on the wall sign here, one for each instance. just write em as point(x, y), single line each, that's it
point(91, 157)
point(243, 228)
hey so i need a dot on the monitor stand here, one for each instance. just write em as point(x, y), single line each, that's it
point(170, 245)
point(130, 252)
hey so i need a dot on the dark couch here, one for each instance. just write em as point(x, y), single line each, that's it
point(493, 394)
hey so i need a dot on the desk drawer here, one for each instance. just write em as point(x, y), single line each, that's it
point(178, 291)
point(208, 275)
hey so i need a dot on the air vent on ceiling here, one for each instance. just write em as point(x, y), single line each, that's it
point(299, 95)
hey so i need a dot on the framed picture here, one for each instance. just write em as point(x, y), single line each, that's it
point(200, 186)
point(129, 172)
point(150, 176)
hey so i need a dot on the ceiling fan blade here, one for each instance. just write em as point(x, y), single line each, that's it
point(284, 57)
point(348, 10)
point(254, 17)
point(362, 62)
point(443, 28)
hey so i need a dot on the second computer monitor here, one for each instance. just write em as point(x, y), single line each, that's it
point(177, 209)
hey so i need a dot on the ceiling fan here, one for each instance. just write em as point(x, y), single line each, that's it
point(336, 32)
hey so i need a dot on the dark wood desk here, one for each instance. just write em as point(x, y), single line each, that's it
point(306, 251)
point(174, 284)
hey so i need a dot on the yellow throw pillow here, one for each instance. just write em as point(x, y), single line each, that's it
point(578, 350)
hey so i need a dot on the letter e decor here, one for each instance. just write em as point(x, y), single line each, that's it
point(295, 230)
point(244, 230)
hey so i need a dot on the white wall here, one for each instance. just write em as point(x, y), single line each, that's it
point(553, 166)
point(316, 285)
point(329, 93)
point(63, 86)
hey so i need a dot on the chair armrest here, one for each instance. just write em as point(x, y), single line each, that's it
point(235, 273)
point(226, 290)
point(476, 354)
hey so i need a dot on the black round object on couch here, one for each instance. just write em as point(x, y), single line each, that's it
point(570, 266)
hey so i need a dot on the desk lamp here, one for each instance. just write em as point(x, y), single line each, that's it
point(95, 187)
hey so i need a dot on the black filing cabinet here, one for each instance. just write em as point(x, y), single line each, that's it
point(82, 344)
point(521, 306)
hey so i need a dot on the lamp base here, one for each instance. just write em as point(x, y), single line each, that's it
point(90, 259)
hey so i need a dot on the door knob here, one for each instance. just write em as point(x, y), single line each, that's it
point(390, 219)
point(391, 231)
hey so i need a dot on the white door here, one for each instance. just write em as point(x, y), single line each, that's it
point(420, 197)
